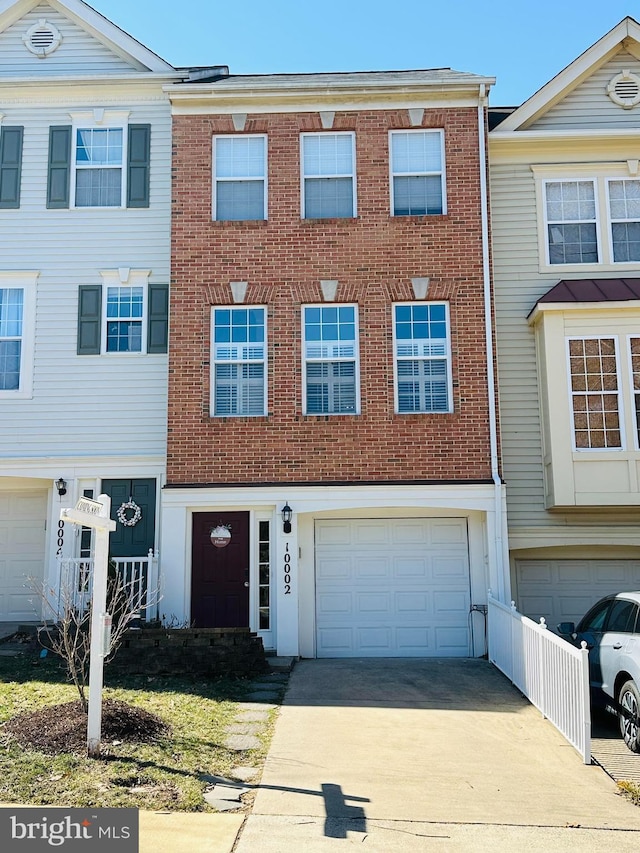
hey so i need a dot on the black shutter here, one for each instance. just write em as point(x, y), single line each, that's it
point(158, 328)
point(59, 177)
point(139, 153)
point(89, 319)
point(10, 166)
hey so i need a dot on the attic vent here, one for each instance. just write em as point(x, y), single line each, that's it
point(42, 38)
point(624, 90)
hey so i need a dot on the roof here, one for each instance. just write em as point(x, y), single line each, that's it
point(590, 290)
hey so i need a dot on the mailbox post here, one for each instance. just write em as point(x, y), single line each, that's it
point(95, 514)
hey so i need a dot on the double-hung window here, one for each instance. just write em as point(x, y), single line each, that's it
point(624, 211)
point(17, 318)
point(99, 171)
point(595, 393)
point(422, 358)
point(417, 172)
point(330, 347)
point(239, 361)
point(11, 330)
point(571, 222)
point(240, 177)
point(328, 175)
point(125, 311)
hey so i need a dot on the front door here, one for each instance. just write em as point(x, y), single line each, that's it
point(220, 572)
point(136, 537)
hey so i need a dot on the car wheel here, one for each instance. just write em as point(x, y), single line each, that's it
point(629, 700)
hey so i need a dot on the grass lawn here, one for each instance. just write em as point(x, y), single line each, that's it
point(166, 774)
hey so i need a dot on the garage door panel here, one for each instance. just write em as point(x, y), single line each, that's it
point(574, 572)
point(371, 567)
point(410, 567)
point(540, 572)
point(333, 533)
point(413, 600)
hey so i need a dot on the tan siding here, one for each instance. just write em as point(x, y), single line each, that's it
point(589, 105)
point(79, 52)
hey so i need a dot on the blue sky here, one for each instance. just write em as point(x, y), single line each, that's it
point(522, 44)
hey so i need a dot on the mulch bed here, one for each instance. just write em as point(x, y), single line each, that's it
point(63, 728)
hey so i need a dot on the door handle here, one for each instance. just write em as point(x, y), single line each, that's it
point(617, 645)
point(246, 583)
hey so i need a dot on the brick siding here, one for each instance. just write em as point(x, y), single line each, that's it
point(373, 257)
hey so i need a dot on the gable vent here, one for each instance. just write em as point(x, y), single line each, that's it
point(624, 90)
point(42, 38)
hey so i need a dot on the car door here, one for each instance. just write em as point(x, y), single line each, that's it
point(591, 629)
point(616, 641)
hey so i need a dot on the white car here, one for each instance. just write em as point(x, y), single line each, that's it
point(611, 630)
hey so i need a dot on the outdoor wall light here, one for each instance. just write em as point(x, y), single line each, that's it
point(287, 514)
point(61, 486)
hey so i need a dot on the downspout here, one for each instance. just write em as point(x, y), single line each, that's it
point(500, 553)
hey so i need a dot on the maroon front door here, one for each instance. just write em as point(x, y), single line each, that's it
point(220, 575)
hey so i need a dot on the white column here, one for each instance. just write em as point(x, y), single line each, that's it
point(287, 584)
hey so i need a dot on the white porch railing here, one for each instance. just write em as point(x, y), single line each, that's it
point(551, 673)
point(139, 576)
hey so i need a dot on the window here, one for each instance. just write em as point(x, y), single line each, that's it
point(239, 355)
point(624, 208)
point(622, 616)
point(330, 348)
point(571, 222)
point(130, 316)
point(595, 404)
point(422, 358)
point(417, 172)
point(634, 352)
point(11, 325)
point(328, 182)
point(17, 321)
point(264, 576)
point(125, 309)
point(99, 166)
point(240, 185)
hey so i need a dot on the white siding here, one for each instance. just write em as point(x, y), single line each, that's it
point(589, 105)
point(78, 52)
point(105, 404)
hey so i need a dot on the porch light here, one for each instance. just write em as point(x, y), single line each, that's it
point(61, 486)
point(287, 515)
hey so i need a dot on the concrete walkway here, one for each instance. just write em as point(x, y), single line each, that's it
point(426, 755)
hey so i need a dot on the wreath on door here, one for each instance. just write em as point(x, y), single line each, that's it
point(129, 520)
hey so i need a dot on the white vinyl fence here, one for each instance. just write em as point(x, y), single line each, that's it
point(139, 576)
point(551, 673)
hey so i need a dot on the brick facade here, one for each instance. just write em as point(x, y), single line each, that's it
point(373, 257)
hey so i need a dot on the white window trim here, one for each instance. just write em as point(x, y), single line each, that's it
point(215, 361)
point(600, 175)
point(27, 282)
point(355, 359)
point(621, 407)
point(264, 177)
point(353, 174)
point(99, 119)
point(396, 402)
point(268, 634)
point(442, 173)
point(125, 278)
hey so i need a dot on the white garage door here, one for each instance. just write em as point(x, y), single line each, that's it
point(392, 588)
point(563, 590)
point(22, 543)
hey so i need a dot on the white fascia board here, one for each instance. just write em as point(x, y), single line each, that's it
point(110, 467)
point(571, 76)
point(93, 22)
point(569, 135)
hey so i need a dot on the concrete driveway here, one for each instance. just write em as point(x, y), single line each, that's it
point(426, 755)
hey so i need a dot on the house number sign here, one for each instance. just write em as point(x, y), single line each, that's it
point(287, 570)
